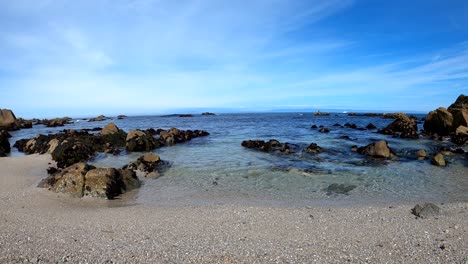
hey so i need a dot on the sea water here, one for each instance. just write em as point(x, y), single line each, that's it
point(217, 169)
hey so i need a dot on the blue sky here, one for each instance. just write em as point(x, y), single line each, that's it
point(86, 57)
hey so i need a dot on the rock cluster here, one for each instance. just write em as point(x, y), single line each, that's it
point(444, 121)
point(56, 122)
point(9, 122)
point(81, 179)
point(272, 145)
point(403, 126)
point(99, 118)
point(149, 164)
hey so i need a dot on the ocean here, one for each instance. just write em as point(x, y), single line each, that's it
point(217, 169)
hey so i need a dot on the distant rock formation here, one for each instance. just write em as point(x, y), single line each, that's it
point(208, 114)
point(99, 118)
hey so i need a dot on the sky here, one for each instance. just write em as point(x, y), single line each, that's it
point(91, 57)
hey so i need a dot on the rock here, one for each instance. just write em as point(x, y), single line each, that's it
point(109, 129)
point(174, 135)
point(271, 146)
point(439, 121)
point(81, 180)
point(438, 160)
point(391, 115)
point(97, 119)
point(334, 189)
point(348, 125)
point(313, 148)
point(324, 130)
point(71, 151)
point(371, 126)
point(53, 144)
point(185, 115)
point(421, 154)
point(138, 140)
point(56, 122)
point(377, 149)
point(425, 210)
point(5, 147)
point(151, 157)
point(318, 113)
point(402, 126)
point(121, 116)
point(460, 137)
point(104, 183)
point(8, 120)
point(147, 164)
point(314, 127)
point(208, 114)
point(71, 180)
point(354, 148)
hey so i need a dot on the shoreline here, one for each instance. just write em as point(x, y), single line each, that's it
point(41, 226)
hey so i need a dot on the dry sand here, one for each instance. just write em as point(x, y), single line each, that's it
point(43, 227)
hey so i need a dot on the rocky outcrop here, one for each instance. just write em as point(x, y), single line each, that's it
point(150, 165)
point(445, 121)
point(403, 127)
point(208, 114)
point(313, 148)
point(371, 126)
point(97, 119)
point(460, 137)
point(377, 149)
point(138, 140)
point(56, 122)
point(113, 138)
point(4, 143)
point(173, 135)
point(80, 180)
point(438, 160)
point(273, 146)
point(8, 120)
point(71, 151)
point(121, 116)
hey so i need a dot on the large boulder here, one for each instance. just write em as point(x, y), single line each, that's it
point(377, 149)
point(150, 165)
point(113, 136)
point(8, 120)
point(71, 151)
point(403, 126)
point(138, 140)
point(445, 121)
point(81, 180)
point(4, 143)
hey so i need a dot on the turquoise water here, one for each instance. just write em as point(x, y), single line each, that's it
point(217, 168)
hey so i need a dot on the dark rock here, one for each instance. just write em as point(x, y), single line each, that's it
point(403, 126)
point(354, 148)
point(147, 164)
point(324, 130)
point(208, 114)
point(371, 126)
point(313, 148)
point(5, 147)
point(334, 189)
point(336, 125)
point(425, 210)
point(185, 115)
point(113, 137)
point(173, 135)
point(377, 149)
point(273, 146)
point(56, 122)
point(314, 127)
point(438, 160)
point(103, 183)
point(391, 115)
point(71, 151)
point(121, 116)
point(138, 140)
point(8, 120)
point(445, 121)
point(348, 125)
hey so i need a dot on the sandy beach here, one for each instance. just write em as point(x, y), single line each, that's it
point(39, 226)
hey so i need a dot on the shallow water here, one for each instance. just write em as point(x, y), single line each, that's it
point(217, 168)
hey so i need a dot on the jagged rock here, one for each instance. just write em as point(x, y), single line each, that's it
point(8, 120)
point(377, 149)
point(438, 160)
point(271, 146)
point(371, 126)
point(138, 140)
point(425, 210)
point(71, 151)
point(402, 126)
point(5, 147)
point(313, 148)
point(421, 154)
point(81, 180)
point(149, 164)
point(439, 121)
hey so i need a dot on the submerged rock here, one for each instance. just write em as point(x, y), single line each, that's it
point(377, 149)
point(273, 146)
point(324, 130)
point(371, 126)
point(313, 148)
point(425, 210)
point(149, 164)
point(334, 189)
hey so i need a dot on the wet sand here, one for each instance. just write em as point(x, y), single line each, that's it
point(39, 226)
